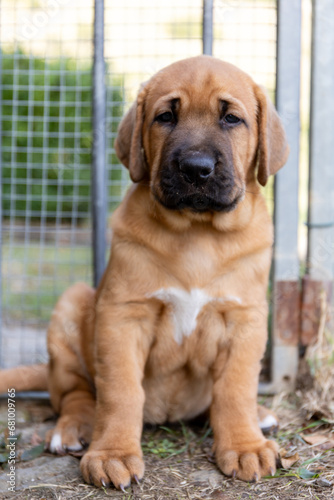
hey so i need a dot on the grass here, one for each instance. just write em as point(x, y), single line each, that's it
point(165, 441)
point(34, 277)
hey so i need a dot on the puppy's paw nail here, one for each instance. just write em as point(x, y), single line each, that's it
point(104, 484)
point(271, 471)
point(83, 442)
point(255, 477)
point(121, 487)
point(234, 474)
point(135, 477)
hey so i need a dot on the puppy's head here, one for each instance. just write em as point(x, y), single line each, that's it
point(200, 130)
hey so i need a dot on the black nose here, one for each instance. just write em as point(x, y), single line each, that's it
point(197, 167)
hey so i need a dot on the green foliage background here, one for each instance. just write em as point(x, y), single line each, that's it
point(47, 135)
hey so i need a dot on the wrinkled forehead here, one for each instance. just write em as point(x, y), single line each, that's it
point(201, 83)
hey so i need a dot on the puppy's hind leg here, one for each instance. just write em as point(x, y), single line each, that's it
point(70, 378)
point(267, 419)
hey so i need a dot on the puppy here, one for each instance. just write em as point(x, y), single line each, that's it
point(178, 324)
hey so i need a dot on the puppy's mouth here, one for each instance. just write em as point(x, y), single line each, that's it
point(196, 203)
point(216, 192)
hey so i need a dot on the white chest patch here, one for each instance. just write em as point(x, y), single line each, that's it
point(185, 307)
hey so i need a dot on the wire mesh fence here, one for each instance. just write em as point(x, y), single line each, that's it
point(46, 56)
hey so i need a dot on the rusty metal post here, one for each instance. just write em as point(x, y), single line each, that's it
point(286, 296)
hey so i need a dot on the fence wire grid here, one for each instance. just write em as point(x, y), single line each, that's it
point(46, 56)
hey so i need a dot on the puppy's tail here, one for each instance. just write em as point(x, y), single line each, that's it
point(24, 378)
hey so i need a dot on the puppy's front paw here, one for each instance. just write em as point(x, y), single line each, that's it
point(103, 467)
point(249, 463)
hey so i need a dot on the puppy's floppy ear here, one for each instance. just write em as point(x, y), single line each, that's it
point(273, 149)
point(128, 143)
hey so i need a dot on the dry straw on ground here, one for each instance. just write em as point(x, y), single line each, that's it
point(179, 463)
point(318, 400)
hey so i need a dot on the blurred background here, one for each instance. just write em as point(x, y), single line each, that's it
point(46, 59)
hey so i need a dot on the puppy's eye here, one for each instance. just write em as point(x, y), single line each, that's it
point(166, 117)
point(232, 119)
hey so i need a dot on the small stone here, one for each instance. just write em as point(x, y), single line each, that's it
point(212, 477)
point(322, 481)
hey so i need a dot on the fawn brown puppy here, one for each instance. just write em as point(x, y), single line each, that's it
point(178, 324)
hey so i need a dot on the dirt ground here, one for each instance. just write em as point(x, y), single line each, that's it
point(178, 460)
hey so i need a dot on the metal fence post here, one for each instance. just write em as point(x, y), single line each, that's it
point(99, 198)
point(0, 207)
point(286, 296)
point(320, 260)
point(207, 33)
